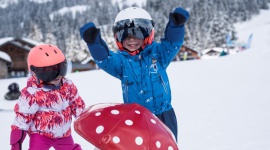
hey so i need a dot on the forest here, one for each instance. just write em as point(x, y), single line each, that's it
point(58, 21)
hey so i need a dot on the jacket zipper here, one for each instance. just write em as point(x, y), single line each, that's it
point(163, 84)
point(126, 91)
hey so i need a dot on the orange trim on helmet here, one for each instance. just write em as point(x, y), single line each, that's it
point(120, 45)
point(150, 38)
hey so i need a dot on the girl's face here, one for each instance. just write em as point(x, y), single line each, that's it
point(132, 43)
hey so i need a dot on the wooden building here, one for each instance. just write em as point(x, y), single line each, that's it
point(18, 50)
point(85, 65)
point(5, 63)
point(186, 53)
point(214, 52)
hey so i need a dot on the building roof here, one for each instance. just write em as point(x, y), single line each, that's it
point(23, 43)
point(5, 40)
point(5, 56)
point(85, 61)
point(214, 49)
point(190, 48)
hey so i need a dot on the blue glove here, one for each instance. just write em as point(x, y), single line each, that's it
point(179, 16)
point(96, 45)
point(175, 30)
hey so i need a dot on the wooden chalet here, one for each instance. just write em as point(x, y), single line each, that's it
point(5, 63)
point(214, 52)
point(18, 50)
point(186, 53)
point(85, 65)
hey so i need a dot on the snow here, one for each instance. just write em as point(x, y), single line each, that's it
point(5, 56)
point(87, 60)
point(40, 1)
point(82, 8)
point(221, 104)
point(31, 41)
point(6, 39)
point(5, 3)
point(140, 3)
point(73, 10)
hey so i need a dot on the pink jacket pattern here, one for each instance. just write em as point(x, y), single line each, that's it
point(47, 112)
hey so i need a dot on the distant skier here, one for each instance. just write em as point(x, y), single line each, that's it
point(13, 92)
point(141, 63)
point(47, 104)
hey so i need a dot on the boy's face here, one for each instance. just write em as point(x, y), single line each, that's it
point(132, 43)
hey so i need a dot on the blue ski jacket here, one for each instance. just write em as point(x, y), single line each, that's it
point(143, 76)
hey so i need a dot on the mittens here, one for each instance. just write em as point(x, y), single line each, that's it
point(96, 45)
point(16, 139)
point(179, 16)
point(89, 33)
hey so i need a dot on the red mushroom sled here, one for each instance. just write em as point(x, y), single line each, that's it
point(123, 127)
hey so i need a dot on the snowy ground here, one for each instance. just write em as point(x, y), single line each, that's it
point(221, 104)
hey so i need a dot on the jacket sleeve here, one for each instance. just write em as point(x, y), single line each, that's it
point(112, 64)
point(25, 110)
point(173, 35)
point(168, 49)
point(175, 30)
point(96, 45)
point(77, 104)
point(104, 58)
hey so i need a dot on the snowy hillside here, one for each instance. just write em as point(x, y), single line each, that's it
point(221, 104)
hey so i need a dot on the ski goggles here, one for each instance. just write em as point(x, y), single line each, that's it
point(140, 28)
point(50, 73)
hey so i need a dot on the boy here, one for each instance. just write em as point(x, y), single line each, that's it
point(141, 63)
point(46, 105)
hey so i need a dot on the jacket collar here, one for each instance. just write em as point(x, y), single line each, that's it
point(142, 52)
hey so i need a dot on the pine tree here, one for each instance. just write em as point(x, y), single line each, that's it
point(35, 33)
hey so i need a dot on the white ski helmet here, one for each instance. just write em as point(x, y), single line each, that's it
point(135, 21)
point(132, 13)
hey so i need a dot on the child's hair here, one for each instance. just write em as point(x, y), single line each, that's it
point(135, 21)
point(47, 62)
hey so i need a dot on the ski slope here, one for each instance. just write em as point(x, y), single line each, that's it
point(221, 104)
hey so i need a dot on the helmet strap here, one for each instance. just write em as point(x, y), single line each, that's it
point(119, 45)
point(149, 39)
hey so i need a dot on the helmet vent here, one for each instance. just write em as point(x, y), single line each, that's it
point(55, 51)
point(40, 48)
point(47, 54)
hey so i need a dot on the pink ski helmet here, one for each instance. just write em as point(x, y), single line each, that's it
point(47, 62)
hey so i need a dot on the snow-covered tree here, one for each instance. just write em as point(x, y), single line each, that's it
point(75, 51)
point(220, 27)
point(50, 39)
point(206, 25)
point(35, 33)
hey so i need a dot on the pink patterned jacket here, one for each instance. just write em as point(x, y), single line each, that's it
point(47, 112)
